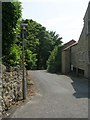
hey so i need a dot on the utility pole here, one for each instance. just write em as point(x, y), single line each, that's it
point(23, 36)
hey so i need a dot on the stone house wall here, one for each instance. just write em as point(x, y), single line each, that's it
point(82, 48)
point(66, 61)
point(63, 61)
point(74, 56)
point(79, 52)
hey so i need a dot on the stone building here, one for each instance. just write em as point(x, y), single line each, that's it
point(76, 57)
point(66, 58)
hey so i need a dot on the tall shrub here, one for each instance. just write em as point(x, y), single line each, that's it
point(11, 13)
point(54, 61)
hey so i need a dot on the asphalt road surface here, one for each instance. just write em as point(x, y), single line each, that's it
point(59, 96)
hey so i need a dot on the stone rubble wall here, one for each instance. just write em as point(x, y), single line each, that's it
point(11, 87)
point(0, 96)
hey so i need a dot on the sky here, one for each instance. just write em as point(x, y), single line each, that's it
point(63, 16)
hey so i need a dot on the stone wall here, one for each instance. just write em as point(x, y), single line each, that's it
point(11, 87)
point(0, 94)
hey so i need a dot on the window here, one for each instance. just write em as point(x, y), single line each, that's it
point(82, 56)
point(79, 55)
point(89, 26)
point(89, 56)
point(85, 56)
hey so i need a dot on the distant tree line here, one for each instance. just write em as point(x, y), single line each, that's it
point(42, 47)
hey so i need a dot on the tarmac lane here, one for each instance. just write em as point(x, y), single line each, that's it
point(59, 96)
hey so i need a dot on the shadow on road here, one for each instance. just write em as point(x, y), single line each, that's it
point(80, 86)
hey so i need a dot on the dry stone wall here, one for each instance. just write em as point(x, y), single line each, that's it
point(0, 94)
point(11, 86)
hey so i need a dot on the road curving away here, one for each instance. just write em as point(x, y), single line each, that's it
point(58, 96)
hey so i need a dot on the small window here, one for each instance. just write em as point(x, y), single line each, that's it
point(84, 56)
point(89, 56)
point(89, 26)
point(81, 56)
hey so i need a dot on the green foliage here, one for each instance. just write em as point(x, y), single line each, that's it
point(30, 59)
point(38, 45)
point(56, 39)
point(54, 61)
point(39, 41)
point(11, 13)
point(14, 56)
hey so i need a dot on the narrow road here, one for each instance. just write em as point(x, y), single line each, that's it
point(59, 96)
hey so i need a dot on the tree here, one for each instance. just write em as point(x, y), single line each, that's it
point(14, 56)
point(54, 61)
point(11, 13)
point(45, 47)
point(30, 59)
point(39, 42)
point(38, 45)
point(56, 38)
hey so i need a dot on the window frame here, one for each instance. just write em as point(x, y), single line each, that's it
point(88, 26)
point(89, 56)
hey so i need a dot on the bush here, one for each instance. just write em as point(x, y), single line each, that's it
point(30, 59)
point(14, 56)
point(54, 61)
